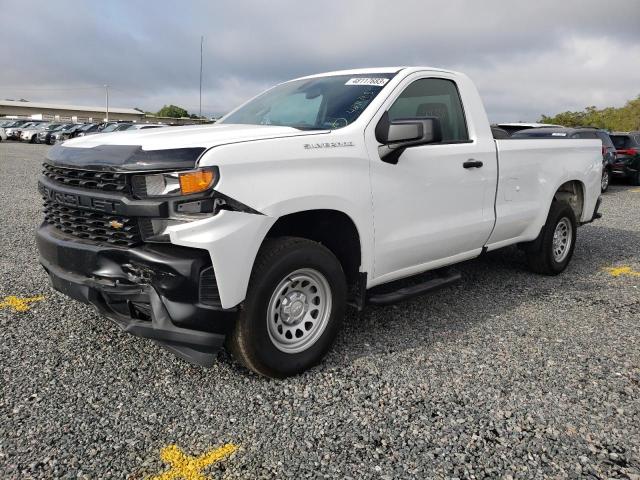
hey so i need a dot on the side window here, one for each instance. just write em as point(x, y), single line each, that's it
point(585, 135)
point(433, 97)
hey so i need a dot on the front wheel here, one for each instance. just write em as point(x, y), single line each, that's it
point(551, 252)
point(293, 309)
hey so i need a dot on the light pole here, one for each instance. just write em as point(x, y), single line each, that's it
point(106, 91)
point(200, 109)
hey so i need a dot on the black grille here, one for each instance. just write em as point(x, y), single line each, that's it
point(107, 181)
point(209, 294)
point(95, 226)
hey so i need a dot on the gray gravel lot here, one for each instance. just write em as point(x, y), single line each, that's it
point(506, 374)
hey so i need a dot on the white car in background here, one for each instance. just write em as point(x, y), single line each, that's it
point(31, 134)
point(13, 132)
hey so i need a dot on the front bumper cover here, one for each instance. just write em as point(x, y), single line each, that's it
point(149, 291)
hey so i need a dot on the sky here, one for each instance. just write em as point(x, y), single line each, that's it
point(527, 57)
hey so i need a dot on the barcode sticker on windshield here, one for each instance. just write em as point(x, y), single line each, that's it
point(558, 134)
point(378, 82)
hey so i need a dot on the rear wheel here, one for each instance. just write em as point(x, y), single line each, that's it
point(551, 252)
point(293, 309)
point(635, 179)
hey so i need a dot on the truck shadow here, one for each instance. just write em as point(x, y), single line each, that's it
point(492, 285)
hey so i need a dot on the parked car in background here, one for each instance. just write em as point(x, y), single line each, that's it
point(608, 148)
point(13, 123)
point(115, 127)
point(512, 128)
point(499, 133)
point(44, 136)
point(67, 133)
point(87, 129)
point(31, 134)
point(143, 126)
point(627, 162)
point(13, 133)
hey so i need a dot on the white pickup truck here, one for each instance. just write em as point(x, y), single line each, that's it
point(259, 230)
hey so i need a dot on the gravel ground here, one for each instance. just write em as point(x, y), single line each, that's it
point(506, 374)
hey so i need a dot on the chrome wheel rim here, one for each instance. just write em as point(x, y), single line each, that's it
point(299, 310)
point(605, 180)
point(562, 237)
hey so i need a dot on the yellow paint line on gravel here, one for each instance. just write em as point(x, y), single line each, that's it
point(186, 467)
point(624, 270)
point(18, 304)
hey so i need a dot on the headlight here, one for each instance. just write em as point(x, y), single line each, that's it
point(174, 183)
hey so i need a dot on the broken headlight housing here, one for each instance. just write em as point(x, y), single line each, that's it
point(170, 184)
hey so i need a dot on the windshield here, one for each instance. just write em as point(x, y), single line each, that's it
point(87, 127)
point(312, 104)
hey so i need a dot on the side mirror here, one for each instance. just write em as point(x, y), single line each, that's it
point(404, 133)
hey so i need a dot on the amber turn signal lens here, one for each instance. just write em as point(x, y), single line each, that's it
point(196, 181)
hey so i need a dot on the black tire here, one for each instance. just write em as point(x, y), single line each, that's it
point(540, 252)
point(251, 342)
point(606, 179)
point(33, 139)
point(635, 179)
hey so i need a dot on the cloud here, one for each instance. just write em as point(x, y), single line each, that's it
point(527, 58)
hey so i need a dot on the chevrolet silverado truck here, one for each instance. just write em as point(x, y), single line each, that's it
point(321, 193)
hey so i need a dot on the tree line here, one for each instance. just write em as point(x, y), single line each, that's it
point(171, 111)
point(626, 118)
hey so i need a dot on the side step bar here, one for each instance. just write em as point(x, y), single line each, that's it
point(405, 293)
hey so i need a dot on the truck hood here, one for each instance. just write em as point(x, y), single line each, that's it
point(159, 148)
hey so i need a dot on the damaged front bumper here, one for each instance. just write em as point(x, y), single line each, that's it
point(167, 293)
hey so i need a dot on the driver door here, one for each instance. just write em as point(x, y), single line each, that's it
point(429, 209)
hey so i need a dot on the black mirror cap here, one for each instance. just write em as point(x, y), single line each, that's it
point(395, 140)
point(427, 130)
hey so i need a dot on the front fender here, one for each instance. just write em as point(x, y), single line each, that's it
point(232, 240)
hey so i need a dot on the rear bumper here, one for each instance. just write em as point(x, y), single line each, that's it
point(624, 168)
point(163, 292)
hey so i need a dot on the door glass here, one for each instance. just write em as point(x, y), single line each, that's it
point(433, 97)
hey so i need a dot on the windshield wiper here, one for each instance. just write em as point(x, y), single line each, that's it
point(307, 127)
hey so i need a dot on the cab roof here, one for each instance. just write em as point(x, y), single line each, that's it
point(373, 70)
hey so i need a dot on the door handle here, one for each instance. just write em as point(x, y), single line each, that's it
point(471, 163)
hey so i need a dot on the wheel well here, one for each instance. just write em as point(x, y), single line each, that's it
point(572, 192)
point(333, 229)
